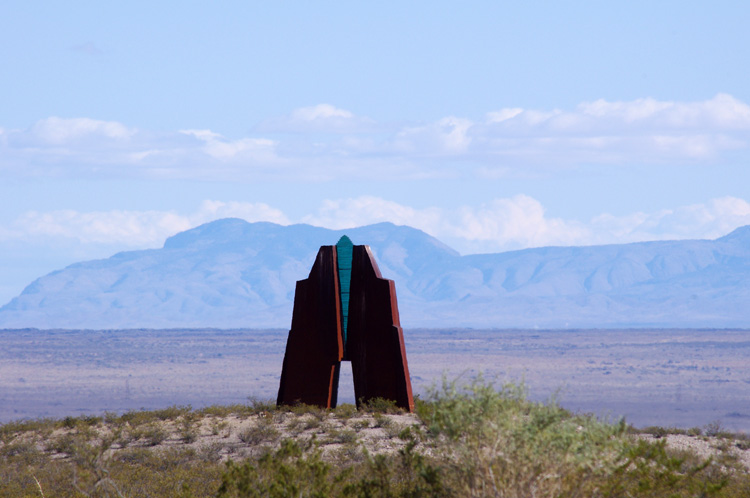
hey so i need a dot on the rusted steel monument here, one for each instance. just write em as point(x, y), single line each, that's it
point(345, 311)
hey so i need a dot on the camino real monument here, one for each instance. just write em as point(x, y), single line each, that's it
point(345, 311)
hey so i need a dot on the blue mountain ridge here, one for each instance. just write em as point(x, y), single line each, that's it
point(230, 273)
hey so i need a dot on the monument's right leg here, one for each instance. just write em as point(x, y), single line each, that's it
point(375, 343)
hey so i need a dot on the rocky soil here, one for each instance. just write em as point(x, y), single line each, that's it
point(341, 434)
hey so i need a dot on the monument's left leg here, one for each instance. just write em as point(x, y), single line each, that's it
point(308, 377)
point(314, 348)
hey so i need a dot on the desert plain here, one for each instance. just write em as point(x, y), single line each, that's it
point(665, 377)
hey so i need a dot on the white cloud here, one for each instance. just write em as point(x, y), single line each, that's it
point(127, 228)
point(220, 148)
point(515, 222)
point(59, 131)
point(627, 112)
point(326, 143)
point(213, 210)
point(643, 130)
point(320, 112)
point(87, 148)
point(709, 220)
point(131, 229)
point(366, 210)
point(503, 224)
point(449, 135)
point(722, 112)
point(521, 221)
point(503, 114)
point(321, 118)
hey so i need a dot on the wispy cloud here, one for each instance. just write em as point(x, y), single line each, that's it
point(217, 147)
point(618, 132)
point(503, 224)
point(321, 118)
point(325, 142)
point(708, 220)
point(56, 131)
point(128, 228)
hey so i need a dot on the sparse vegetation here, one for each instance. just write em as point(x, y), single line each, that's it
point(262, 432)
point(465, 441)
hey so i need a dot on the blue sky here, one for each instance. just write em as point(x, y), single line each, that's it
point(489, 125)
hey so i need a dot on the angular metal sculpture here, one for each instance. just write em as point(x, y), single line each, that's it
point(345, 311)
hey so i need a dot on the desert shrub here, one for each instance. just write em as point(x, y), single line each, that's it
point(189, 436)
point(227, 410)
point(343, 436)
point(10, 430)
point(141, 417)
point(304, 409)
point(381, 421)
point(291, 471)
point(172, 412)
point(23, 451)
point(299, 470)
point(694, 431)
point(63, 444)
point(295, 426)
point(409, 474)
point(496, 443)
point(166, 473)
point(151, 434)
point(312, 423)
point(713, 429)
point(94, 472)
point(82, 421)
point(656, 431)
point(345, 410)
point(649, 470)
point(188, 431)
point(358, 425)
point(218, 425)
point(261, 406)
point(380, 405)
point(263, 431)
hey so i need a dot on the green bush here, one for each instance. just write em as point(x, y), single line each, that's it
point(497, 443)
point(290, 471)
point(647, 470)
point(345, 410)
point(263, 432)
point(381, 405)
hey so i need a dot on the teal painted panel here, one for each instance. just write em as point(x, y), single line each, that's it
point(344, 251)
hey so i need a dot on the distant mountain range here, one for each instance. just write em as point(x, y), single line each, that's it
point(230, 273)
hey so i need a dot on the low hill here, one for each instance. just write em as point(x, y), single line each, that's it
point(458, 444)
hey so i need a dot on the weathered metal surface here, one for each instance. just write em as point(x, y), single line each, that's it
point(314, 348)
point(330, 325)
point(376, 340)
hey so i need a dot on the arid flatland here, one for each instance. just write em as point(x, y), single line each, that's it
point(681, 378)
